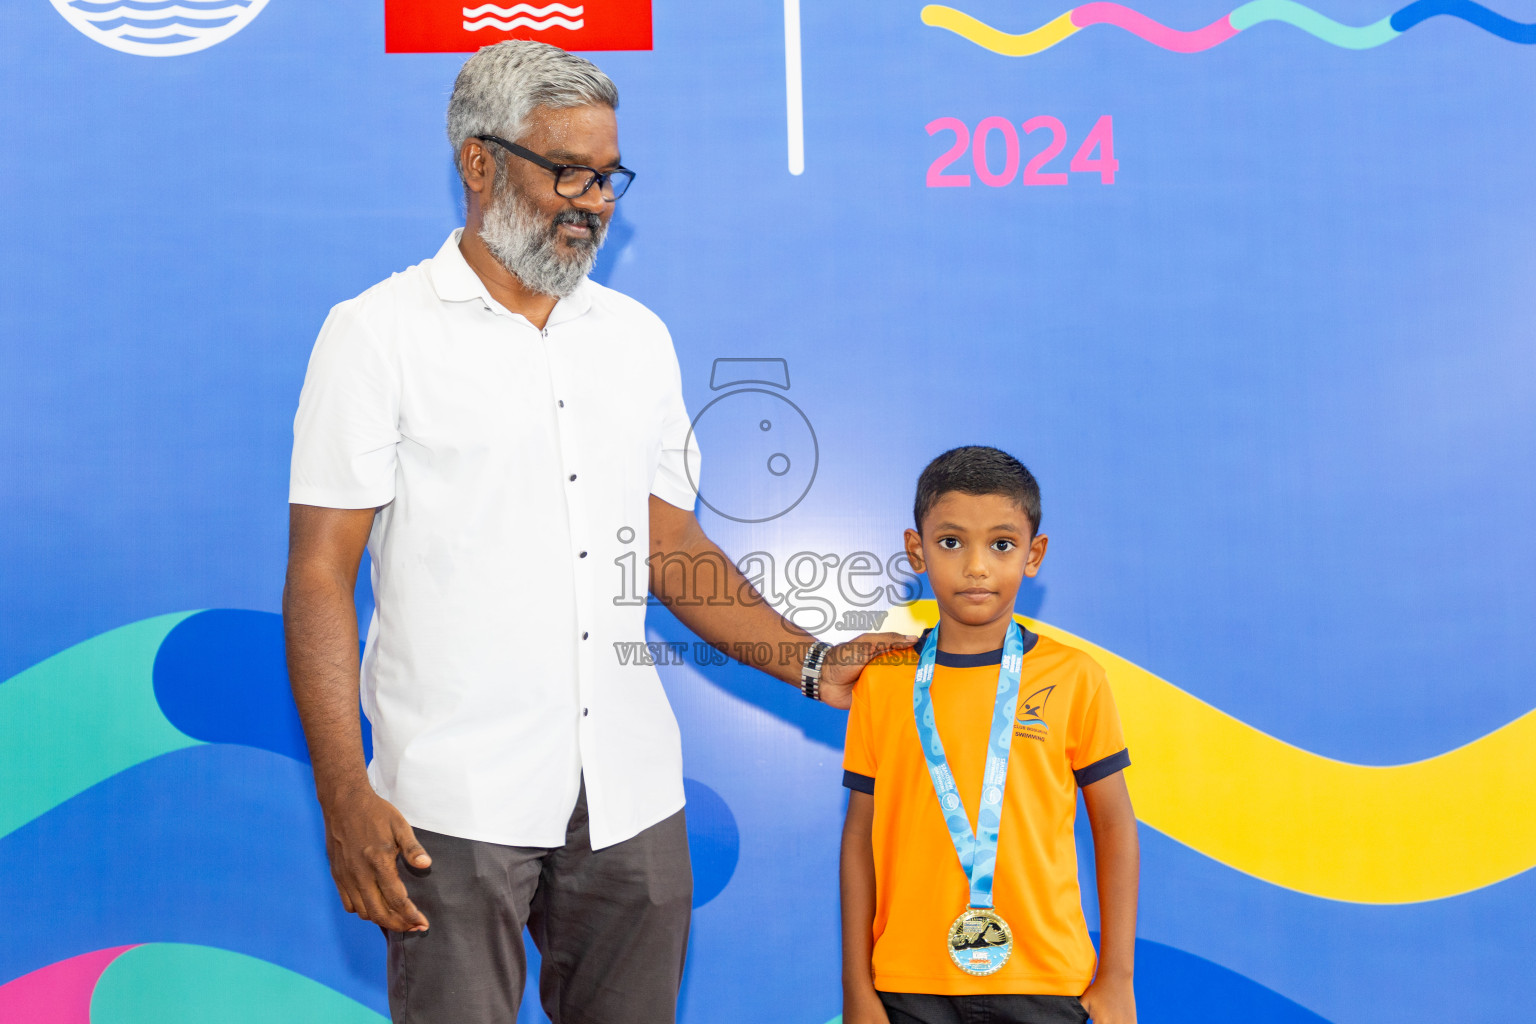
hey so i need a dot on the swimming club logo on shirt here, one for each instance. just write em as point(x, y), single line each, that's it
point(159, 28)
point(1031, 722)
point(463, 26)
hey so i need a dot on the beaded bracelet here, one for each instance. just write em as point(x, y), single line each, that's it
point(810, 673)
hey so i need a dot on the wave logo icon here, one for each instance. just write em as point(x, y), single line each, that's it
point(159, 28)
point(464, 26)
point(523, 16)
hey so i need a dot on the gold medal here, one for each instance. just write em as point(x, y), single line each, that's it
point(980, 942)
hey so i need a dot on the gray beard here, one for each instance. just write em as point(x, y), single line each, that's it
point(533, 250)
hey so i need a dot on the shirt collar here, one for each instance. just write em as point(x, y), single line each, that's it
point(455, 280)
point(975, 660)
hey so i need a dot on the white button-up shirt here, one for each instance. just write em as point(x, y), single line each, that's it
point(511, 468)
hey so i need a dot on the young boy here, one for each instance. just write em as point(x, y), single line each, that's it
point(959, 871)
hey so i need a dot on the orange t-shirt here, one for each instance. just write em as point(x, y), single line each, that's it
point(1066, 734)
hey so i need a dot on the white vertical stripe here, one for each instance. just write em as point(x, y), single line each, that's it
point(795, 107)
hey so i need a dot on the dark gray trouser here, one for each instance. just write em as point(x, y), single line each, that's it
point(611, 925)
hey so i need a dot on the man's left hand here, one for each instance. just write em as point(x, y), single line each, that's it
point(845, 661)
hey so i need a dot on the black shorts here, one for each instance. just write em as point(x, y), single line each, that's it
point(919, 1008)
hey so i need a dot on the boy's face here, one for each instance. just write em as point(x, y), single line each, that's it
point(976, 550)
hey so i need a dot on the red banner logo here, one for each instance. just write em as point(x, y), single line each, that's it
point(463, 26)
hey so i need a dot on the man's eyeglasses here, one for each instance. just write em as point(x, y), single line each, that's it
point(572, 180)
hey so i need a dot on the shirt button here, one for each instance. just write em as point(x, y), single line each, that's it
point(562, 403)
point(583, 636)
point(573, 476)
point(583, 554)
point(583, 712)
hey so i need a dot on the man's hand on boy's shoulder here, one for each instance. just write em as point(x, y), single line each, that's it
point(845, 661)
point(1110, 1001)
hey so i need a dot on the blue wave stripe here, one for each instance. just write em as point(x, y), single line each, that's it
point(205, 809)
point(111, 23)
point(89, 7)
point(224, 679)
point(158, 39)
point(1466, 10)
point(1177, 987)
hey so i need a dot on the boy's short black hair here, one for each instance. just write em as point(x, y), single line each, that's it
point(977, 469)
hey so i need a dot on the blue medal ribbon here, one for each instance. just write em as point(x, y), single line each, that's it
point(977, 850)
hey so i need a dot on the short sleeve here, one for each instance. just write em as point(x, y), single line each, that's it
point(1098, 750)
point(859, 762)
point(347, 426)
point(677, 471)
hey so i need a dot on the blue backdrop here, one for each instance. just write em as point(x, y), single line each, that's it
point(1277, 380)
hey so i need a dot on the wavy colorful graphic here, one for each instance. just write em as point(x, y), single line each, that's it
point(251, 931)
point(82, 715)
point(173, 983)
point(1246, 799)
point(1358, 833)
point(1351, 37)
point(214, 845)
point(177, 681)
point(59, 993)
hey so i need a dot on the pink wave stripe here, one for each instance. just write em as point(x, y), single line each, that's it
point(59, 993)
point(1218, 31)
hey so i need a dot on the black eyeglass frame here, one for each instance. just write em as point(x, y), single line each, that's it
point(598, 178)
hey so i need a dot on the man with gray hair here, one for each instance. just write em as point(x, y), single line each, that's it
point(495, 428)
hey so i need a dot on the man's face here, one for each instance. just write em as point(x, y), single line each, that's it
point(548, 240)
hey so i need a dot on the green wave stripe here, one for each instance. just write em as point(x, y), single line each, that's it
point(172, 983)
point(81, 716)
point(1350, 37)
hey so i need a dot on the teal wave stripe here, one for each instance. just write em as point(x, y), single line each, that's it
point(172, 983)
point(1350, 37)
point(81, 716)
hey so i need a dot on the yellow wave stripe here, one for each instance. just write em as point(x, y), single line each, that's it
point(1402, 833)
point(1024, 44)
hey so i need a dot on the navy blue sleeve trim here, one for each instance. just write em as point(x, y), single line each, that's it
point(859, 783)
point(1103, 768)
